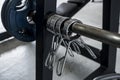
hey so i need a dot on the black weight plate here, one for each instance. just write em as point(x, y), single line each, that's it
point(16, 20)
point(3, 12)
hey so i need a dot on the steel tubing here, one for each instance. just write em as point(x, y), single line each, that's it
point(97, 34)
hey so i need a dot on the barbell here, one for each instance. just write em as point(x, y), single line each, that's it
point(18, 19)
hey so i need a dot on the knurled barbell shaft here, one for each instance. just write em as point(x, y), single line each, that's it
point(97, 34)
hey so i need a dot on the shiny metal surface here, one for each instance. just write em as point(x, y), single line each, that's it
point(97, 34)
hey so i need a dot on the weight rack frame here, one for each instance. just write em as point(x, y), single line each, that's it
point(107, 58)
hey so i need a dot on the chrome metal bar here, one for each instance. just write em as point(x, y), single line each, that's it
point(97, 34)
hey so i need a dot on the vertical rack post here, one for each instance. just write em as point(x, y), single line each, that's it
point(108, 53)
point(43, 38)
point(111, 9)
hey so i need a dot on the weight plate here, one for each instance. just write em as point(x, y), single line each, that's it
point(3, 12)
point(18, 19)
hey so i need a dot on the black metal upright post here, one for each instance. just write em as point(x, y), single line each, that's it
point(43, 38)
point(111, 9)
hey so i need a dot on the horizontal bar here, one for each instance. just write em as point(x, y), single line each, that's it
point(97, 34)
point(108, 77)
point(4, 35)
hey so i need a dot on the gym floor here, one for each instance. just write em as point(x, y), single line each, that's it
point(17, 59)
